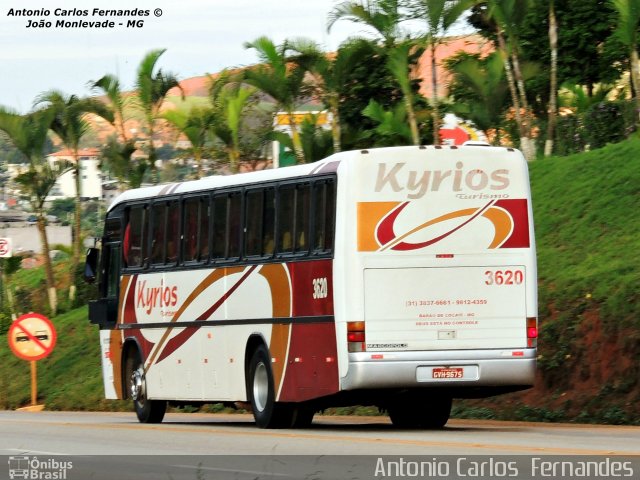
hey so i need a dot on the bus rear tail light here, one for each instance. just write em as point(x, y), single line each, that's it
point(532, 332)
point(356, 337)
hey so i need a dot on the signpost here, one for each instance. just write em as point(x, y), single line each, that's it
point(32, 337)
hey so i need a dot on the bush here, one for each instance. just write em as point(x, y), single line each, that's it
point(604, 122)
point(5, 322)
point(569, 136)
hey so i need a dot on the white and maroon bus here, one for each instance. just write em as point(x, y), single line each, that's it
point(397, 277)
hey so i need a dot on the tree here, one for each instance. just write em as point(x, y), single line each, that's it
point(627, 32)
point(381, 16)
point(196, 125)
point(28, 133)
point(507, 17)
point(392, 128)
point(479, 89)
point(330, 73)
point(384, 18)
point(316, 141)
point(229, 99)
point(117, 104)
point(398, 63)
point(117, 154)
point(69, 125)
point(439, 15)
point(368, 79)
point(281, 80)
point(553, 80)
point(152, 88)
point(587, 53)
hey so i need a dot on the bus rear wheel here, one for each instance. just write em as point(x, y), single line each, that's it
point(147, 411)
point(420, 411)
point(261, 393)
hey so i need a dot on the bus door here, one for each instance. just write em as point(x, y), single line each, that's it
point(104, 311)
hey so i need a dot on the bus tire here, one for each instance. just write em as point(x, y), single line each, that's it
point(147, 411)
point(261, 393)
point(417, 411)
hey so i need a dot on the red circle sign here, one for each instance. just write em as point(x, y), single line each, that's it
point(32, 336)
point(4, 246)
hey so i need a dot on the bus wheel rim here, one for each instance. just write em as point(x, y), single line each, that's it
point(137, 385)
point(260, 386)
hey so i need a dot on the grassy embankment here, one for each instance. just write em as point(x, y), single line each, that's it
point(587, 227)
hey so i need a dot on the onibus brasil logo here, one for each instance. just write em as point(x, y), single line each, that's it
point(35, 469)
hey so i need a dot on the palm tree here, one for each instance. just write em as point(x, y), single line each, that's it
point(152, 88)
point(117, 155)
point(398, 65)
point(70, 126)
point(118, 102)
point(196, 126)
point(553, 77)
point(392, 128)
point(230, 100)
point(484, 80)
point(28, 133)
point(330, 73)
point(627, 32)
point(578, 99)
point(439, 16)
point(382, 16)
point(281, 80)
point(508, 16)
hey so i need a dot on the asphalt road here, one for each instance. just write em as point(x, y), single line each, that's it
point(202, 446)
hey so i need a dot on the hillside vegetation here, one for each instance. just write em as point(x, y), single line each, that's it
point(587, 230)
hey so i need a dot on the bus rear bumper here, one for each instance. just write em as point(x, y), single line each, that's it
point(482, 369)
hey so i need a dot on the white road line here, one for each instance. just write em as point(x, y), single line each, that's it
point(23, 451)
point(232, 470)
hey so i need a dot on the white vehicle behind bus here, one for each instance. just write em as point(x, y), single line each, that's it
point(399, 277)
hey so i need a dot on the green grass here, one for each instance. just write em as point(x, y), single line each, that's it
point(586, 210)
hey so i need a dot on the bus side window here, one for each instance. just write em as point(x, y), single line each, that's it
point(260, 222)
point(286, 197)
point(203, 234)
point(134, 237)
point(330, 218)
point(324, 215)
point(190, 252)
point(219, 226)
point(158, 231)
point(302, 214)
point(234, 238)
point(268, 231)
point(173, 231)
point(253, 222)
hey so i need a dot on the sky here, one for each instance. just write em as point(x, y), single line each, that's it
point(201, 36)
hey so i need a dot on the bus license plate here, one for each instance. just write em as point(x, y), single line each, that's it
point(443, 372)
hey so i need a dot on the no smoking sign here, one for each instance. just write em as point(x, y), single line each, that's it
point(32, 336)
point(5, 247)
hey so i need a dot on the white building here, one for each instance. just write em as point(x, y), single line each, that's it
point(91, 178)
